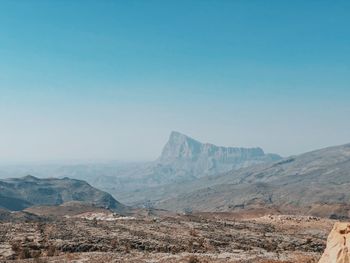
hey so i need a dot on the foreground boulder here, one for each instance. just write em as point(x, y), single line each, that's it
point(338, 245)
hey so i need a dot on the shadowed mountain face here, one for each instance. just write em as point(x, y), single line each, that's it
point(316, 183)
point(20, 193)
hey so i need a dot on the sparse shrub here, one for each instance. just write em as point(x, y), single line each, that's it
point(190, 246)
point(114, 243)
point(16, 246)
point(20, 252)
point(94, 222)
point(201, 242)
point(193, 259)
point(51, 251)
point(41, 228)
point(36, 254)
point(24, 253)
point(193, 233)
point(127, 248)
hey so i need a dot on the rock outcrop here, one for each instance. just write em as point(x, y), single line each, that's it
point(338, 245)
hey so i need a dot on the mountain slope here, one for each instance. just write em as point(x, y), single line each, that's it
point(317, 182)
point(20, 193)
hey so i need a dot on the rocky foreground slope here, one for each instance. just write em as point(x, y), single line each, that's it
point(28, 191)
point(165, 238)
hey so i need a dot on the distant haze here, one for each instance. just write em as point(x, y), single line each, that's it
point(112, 79)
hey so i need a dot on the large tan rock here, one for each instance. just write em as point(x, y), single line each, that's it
point(338, 245)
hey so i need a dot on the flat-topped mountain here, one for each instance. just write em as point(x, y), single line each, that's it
point(180, 146)
point(184, 159)
point(20, 193)
point(183, 154)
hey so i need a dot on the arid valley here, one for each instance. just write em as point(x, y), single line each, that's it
point(158, 236)
point(259, 211)
point(174, 131)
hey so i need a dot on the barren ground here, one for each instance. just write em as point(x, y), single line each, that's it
point(206, 237)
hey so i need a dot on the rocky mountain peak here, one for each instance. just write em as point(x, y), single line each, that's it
point(185, 153)
point(180, 146)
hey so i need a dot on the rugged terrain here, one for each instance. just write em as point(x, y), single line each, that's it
point(183, 159)
point(314, 183)
point(28, 191)
point(159, 236)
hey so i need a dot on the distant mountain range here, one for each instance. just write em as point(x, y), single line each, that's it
point(190, 175)
point(20, 193)
point(316, 183)
point(183, 159)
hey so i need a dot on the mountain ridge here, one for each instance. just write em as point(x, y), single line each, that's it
point(20, 193)
point(315, 183)
point(182, 159)
point(177, 140)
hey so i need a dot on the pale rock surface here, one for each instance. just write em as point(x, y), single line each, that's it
point(338, 245)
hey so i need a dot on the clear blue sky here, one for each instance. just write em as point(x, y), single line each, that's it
point(111, 79)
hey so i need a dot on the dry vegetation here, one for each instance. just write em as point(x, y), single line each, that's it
point(188, 239)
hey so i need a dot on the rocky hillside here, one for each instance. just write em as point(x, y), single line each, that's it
point(316, 183)
point(20, 193)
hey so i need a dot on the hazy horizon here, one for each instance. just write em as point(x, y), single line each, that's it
point(110, 80)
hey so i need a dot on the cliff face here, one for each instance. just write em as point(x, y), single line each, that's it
point(183, 153)
point(338, 245)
